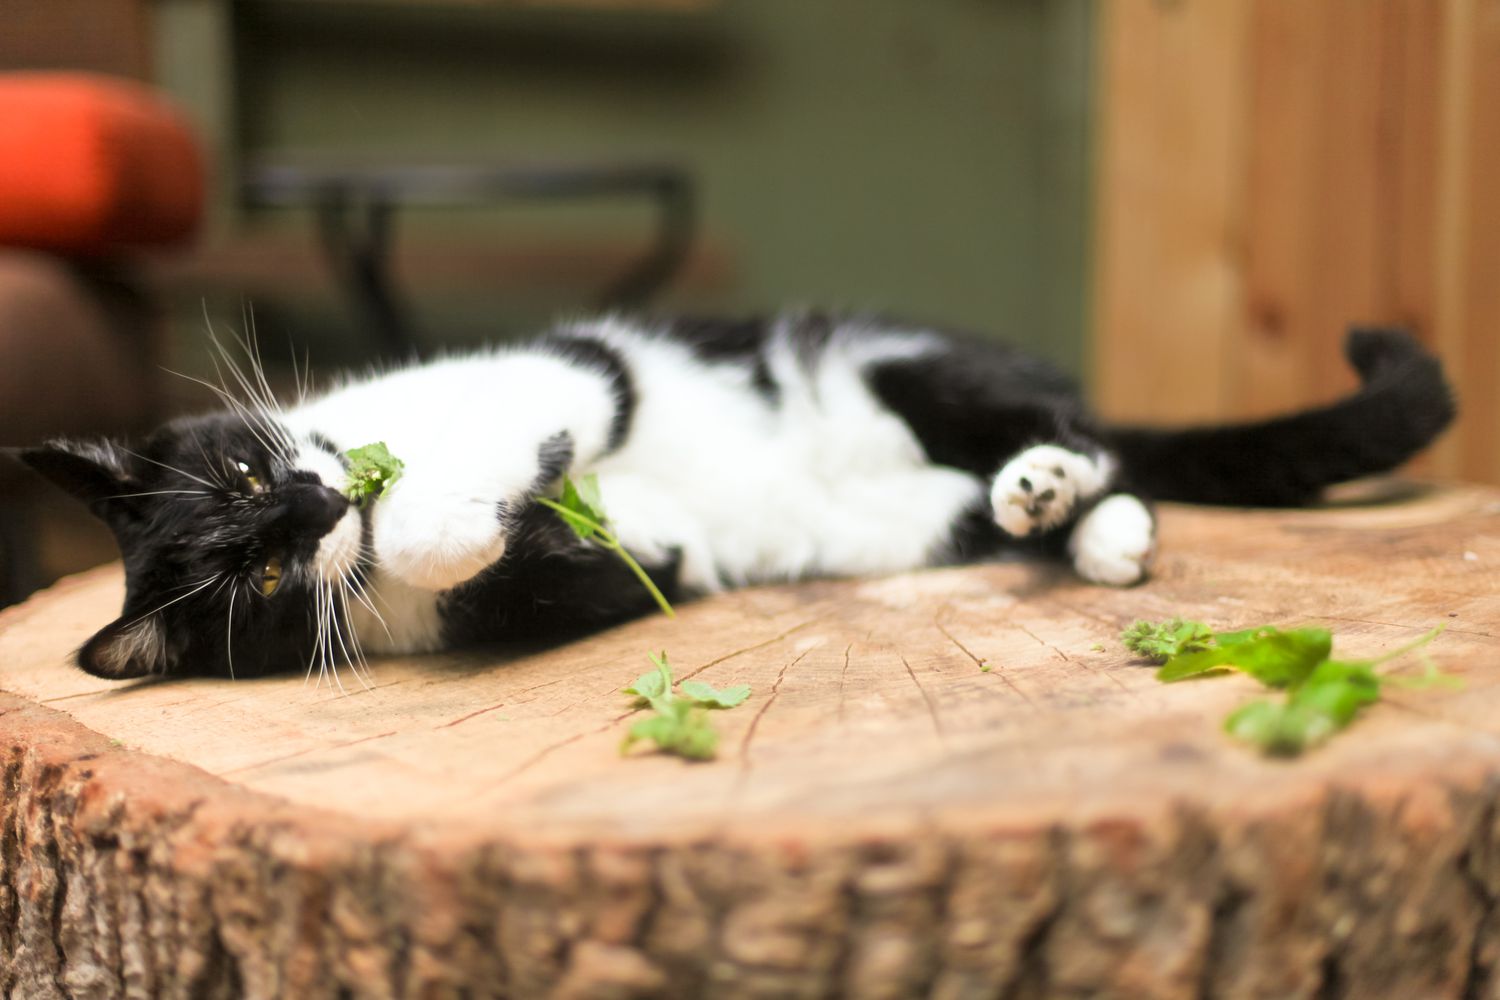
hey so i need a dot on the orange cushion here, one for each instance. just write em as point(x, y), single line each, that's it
point(93, 164)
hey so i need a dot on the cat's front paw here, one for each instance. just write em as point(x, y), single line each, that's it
point(437, 546)
point(1115, 542)
point(1040, 488)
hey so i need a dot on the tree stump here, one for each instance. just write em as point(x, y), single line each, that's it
point(952, 783)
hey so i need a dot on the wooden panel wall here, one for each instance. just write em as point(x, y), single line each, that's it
point(1273, 170)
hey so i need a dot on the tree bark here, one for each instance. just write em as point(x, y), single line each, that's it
point(952, 783)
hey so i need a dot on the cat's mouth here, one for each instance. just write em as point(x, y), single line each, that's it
point(340, 526)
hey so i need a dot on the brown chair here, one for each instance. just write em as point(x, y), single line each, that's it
point(94, 172)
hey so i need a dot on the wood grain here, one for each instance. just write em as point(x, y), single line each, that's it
point(1341, 176)
point(886, 817)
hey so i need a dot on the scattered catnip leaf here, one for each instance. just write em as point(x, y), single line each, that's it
point(1323, 695)
point(681, 724)
point(371, 471)
point(685, 731)
point(646, 687)
point(710, 697)
point(1167, 639)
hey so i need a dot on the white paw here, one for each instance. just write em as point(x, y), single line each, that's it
point(1039, 488)
point(1115, 542)
point(437, 545)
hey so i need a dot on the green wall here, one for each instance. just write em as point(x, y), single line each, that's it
point(923, 157)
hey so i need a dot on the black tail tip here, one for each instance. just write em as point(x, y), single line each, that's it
point(1393, 361)
point(1372, 349)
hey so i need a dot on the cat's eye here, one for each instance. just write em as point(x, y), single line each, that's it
point(253, 484)
point(269, 577)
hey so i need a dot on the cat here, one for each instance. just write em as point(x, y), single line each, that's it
point(728, 453)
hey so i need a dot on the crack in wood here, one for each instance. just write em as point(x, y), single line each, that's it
point(70, 697)
point(471, 715)
point(550, 749)
point(750, 649)
point(999, 670)
point(303, 753)
point(1102, 671)
point(755, 722)
point(932, 712)
point(843, 681)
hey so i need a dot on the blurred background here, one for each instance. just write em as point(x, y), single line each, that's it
point(1184, 202)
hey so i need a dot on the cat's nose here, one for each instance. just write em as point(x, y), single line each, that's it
point(315, 509)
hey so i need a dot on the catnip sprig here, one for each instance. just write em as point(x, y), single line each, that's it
point(1167, 639)
point(1323, 695)
point(371, 470)
point(680, 724)
point(581, 506)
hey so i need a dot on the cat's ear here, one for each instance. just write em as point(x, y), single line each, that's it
point(127, 648)
point(96, 472)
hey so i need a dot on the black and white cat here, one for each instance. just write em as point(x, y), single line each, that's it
point(728, 454)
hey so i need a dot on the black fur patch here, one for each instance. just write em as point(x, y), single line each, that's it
point(321, 442)
point(595, 354)
point(740, 342)
point(550, 585)
point(553, 458)
point(974, 406)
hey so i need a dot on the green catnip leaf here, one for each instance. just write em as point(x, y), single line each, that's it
point(710, 697)
point(1322, 695)
point(370, 471)
point(681, 723)
point(581, 507)
point(1164, 640)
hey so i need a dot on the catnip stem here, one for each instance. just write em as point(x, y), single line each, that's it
point(610, 542)
point(1416, 643)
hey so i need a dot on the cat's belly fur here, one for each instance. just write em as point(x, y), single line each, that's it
point(826, 482)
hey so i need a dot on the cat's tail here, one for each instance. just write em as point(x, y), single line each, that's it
point(1403, 403)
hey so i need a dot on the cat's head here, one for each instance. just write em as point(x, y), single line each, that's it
point(225, 530)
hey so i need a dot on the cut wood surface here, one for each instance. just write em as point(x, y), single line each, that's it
point(885, 817)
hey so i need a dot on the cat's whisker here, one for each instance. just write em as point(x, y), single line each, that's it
point(256, 419)
point(363, 597)
point(222, 391)
point(257, 366)
point(333, 662)
point(157, 493)
point(200, 587)
point(213, 468)
point(229, 632)
point(338, 629)
point(265, 404)
point(171, 468)
point(305, 371)
point(357, 662)
point(316, 614)
point(253, 422)
point(354, 636)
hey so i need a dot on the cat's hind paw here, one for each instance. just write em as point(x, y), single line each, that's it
point(1039, 488)
point(1115, 542)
